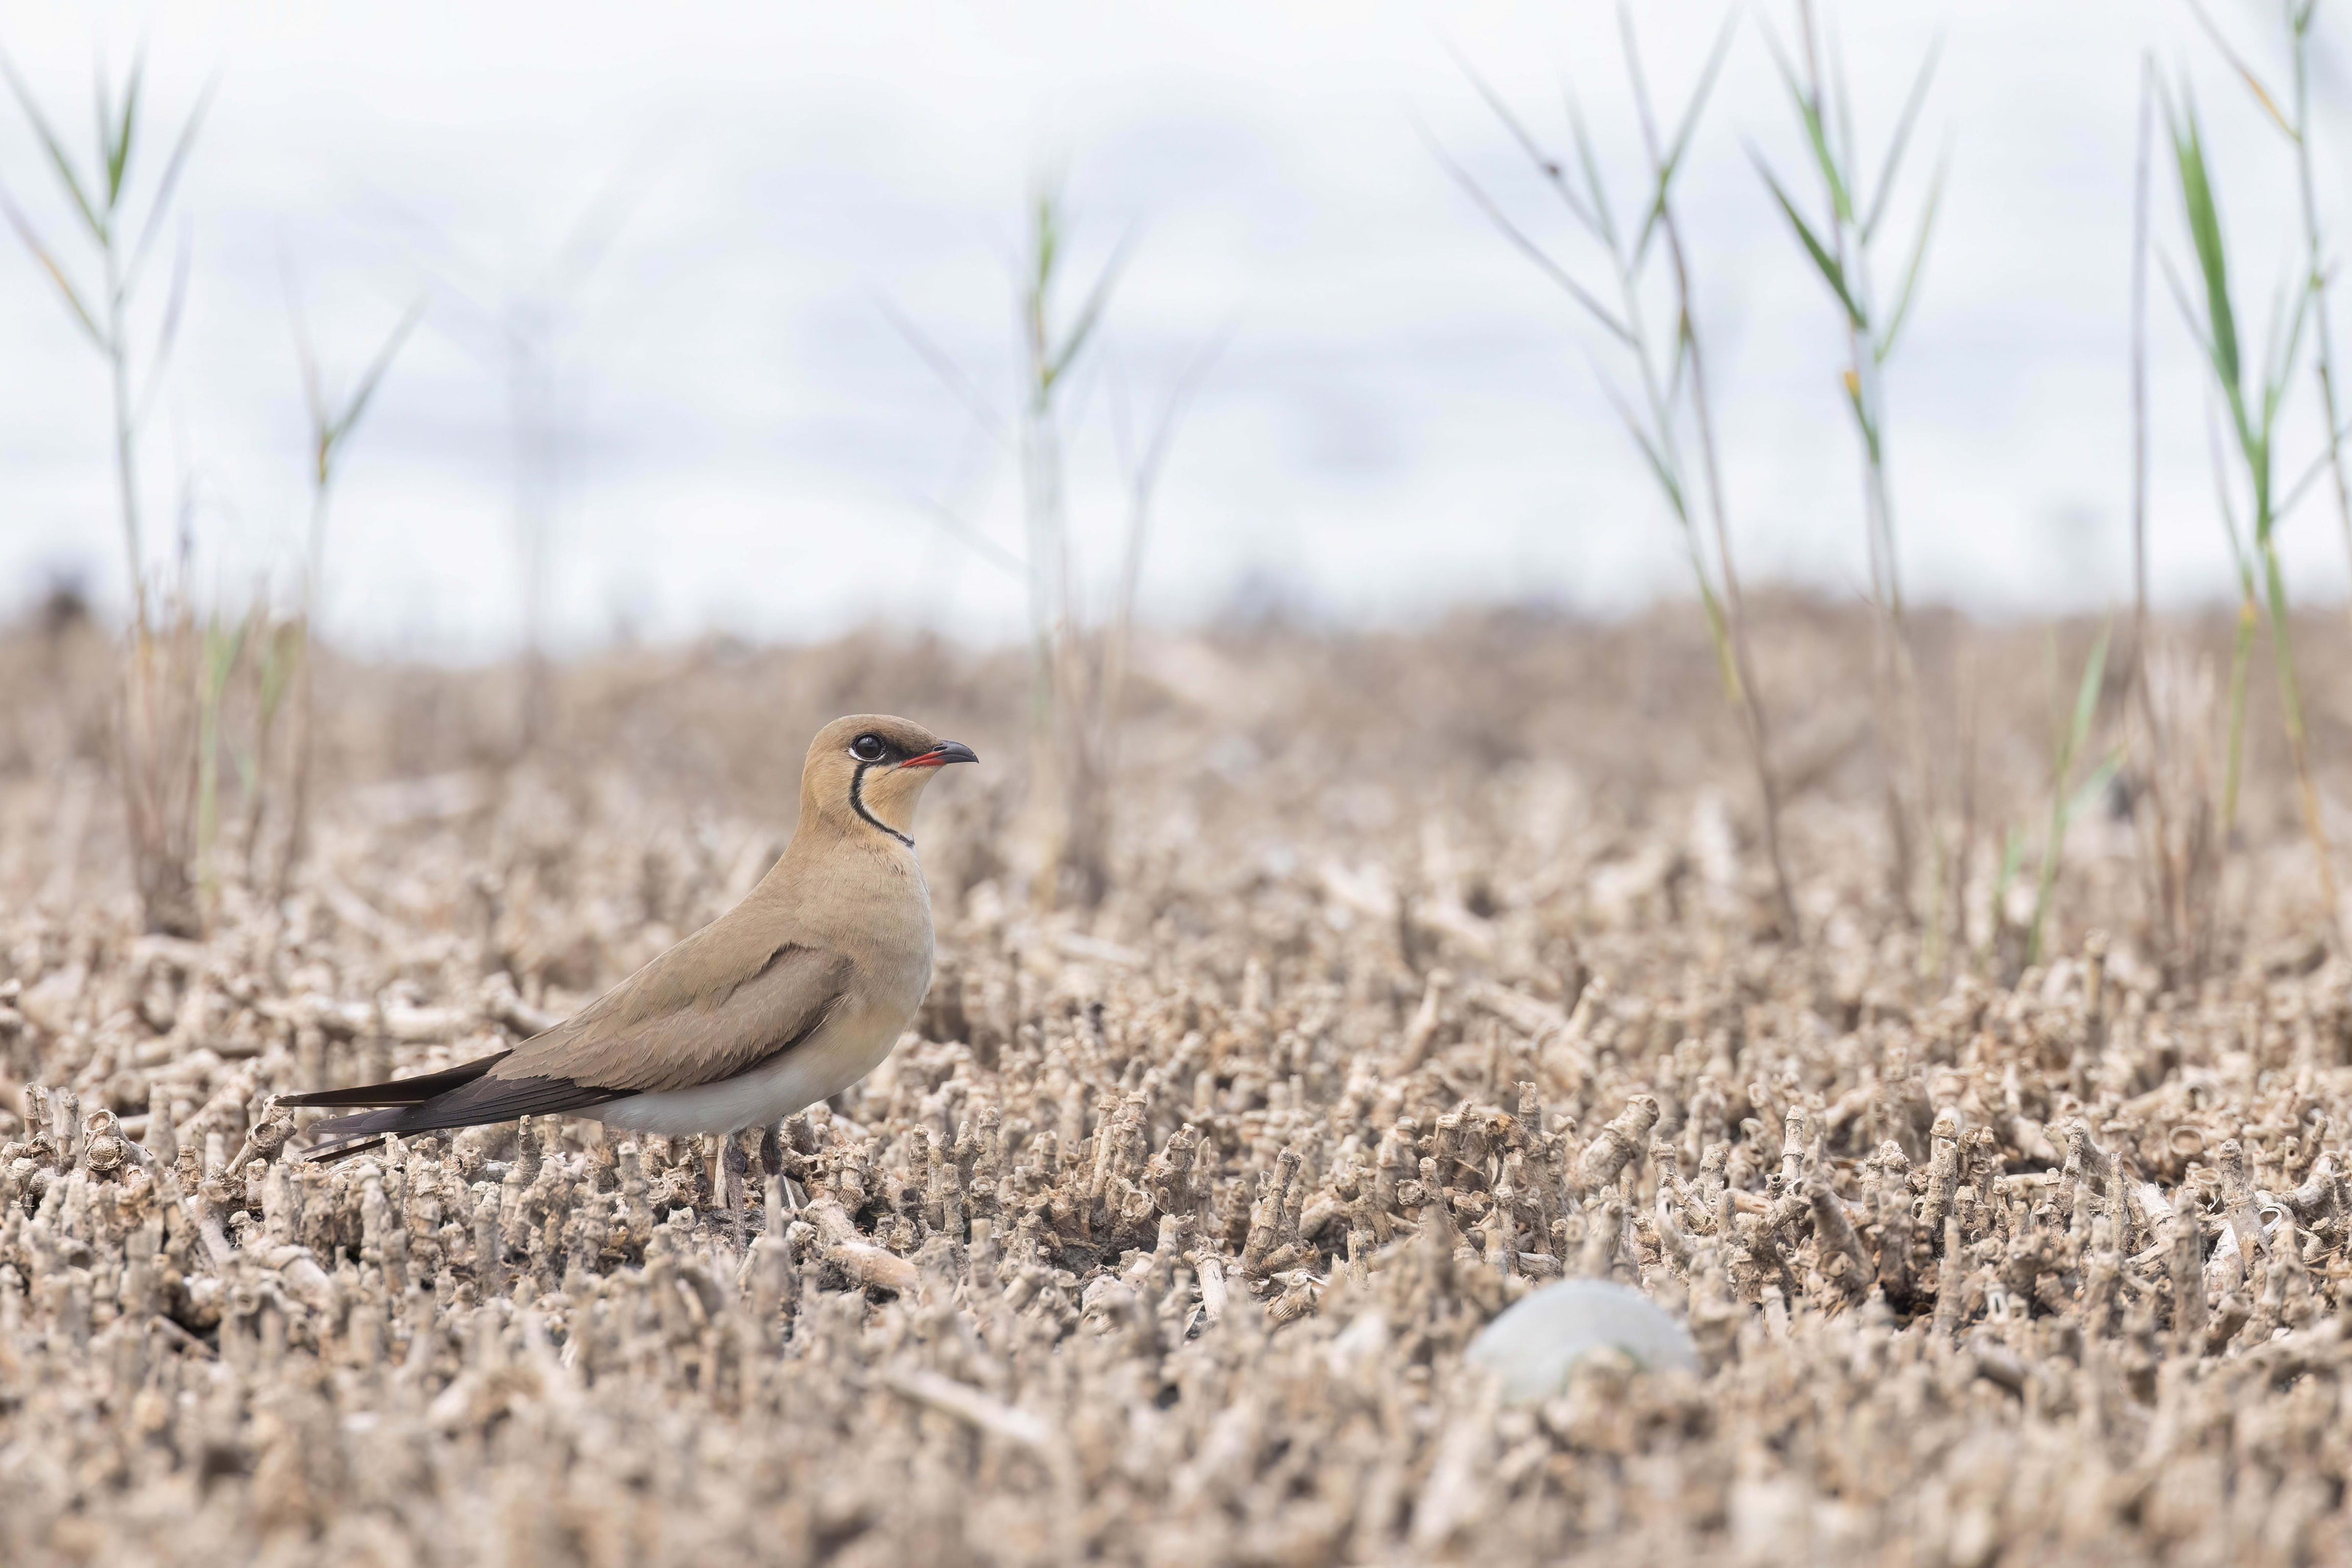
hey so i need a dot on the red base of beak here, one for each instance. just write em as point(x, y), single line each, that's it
point(942, 754)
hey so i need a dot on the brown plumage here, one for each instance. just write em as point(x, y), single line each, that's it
point(791, 996)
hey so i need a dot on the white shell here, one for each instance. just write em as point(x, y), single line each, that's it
point(1534, 1344)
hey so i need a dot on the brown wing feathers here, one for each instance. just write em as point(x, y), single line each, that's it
point(722, 1014)
point(658, 1031)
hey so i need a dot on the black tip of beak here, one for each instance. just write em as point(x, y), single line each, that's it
point(940, 756)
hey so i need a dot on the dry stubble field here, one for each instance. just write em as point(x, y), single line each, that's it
point(1436, 965)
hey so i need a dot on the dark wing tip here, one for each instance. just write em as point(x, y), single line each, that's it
point(399, 1090)
point(362, 1094)
point(348, 1149)
point(477, 1102)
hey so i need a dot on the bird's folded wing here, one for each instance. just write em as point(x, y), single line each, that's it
point(709, 1008)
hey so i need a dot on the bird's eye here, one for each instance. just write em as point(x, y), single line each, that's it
point(867, 748)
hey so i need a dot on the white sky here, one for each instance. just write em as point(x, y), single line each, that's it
point(1406, 415)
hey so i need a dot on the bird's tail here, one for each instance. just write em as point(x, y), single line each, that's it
point(401, 1091)
point(464, 1096)
point(349, 1148)
point(366, 1131)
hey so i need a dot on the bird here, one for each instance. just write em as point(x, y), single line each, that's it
point(789, 998)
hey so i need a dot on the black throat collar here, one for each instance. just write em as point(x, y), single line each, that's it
point(857, 804)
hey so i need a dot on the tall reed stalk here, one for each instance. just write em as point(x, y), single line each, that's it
point(2069, 736)
point(121, 230)
point(522, 325)
point(1066, 754)
point(1078, 668)
point(2294, 121)
point(103, 202)
point(2181, 851)
point(224, 648)
point(1842, 243)
point(2298, 14)
point(2253, 398)
point(1671, 376)
point(332, 422)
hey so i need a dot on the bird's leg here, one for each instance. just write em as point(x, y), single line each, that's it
point(736, 1161)
point(772, 1160)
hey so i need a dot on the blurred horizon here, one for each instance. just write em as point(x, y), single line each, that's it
point(701, 231)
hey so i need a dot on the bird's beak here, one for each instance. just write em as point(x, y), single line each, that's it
point(940, 756)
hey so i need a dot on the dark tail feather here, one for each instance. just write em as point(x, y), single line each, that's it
point(342, 1151)
point(400, 1091)
point(475, 1099)
point(356, 1132)
point(365, 1132)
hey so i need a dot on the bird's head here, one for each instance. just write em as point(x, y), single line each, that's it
point(865, 772)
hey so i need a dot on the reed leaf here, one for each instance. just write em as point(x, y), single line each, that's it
point(58, 159)
point(1827, 264)
point(2212, 260)
point(1911, 269)
point(118, 146)
point(1901, 141)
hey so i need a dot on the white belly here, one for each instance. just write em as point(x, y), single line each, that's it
point(844, 1051)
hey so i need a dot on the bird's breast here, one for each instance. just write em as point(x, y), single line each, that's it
point(894, 956)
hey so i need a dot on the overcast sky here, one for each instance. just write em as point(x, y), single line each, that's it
point(1405, 413)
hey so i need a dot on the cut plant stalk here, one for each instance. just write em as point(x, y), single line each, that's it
point(282, 647)
point(223, 648)
point(1965, 847)
point(2004, 957)
point(1672, 378)
point(1840, 245)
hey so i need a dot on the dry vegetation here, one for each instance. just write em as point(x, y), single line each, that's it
point(1431, 967)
